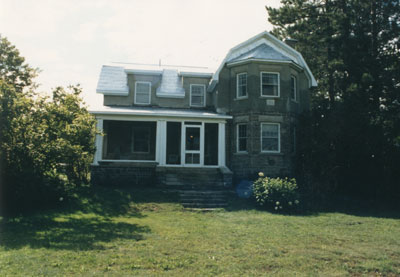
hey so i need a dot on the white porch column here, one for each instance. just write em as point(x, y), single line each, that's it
point(221, 144)
point(161, 140)
point(99, 142)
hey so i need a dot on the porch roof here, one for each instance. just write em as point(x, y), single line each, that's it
point(158, 112)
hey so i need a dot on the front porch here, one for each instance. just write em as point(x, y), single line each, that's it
point(135, 141)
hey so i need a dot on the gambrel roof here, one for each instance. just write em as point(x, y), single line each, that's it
point(261, 52)
point(264, 47)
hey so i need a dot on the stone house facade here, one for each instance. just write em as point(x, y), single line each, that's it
point(239, 119)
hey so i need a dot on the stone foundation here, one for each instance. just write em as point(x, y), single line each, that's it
point(124, 174)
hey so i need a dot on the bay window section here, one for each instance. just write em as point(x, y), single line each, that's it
point(293, 88)
point(270, 86)
point(241, 85)
point(270, 137)
point(241, 138)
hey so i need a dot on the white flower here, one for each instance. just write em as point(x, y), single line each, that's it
point(61, 198)
point(280, 207)
point(296, 202)
point(276, 208)
point(277, 203)
point(260, 174)
point(290, 203)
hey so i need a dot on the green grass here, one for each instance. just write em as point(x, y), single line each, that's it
point(147, 233)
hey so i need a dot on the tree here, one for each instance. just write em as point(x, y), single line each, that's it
point(46, 143)
point(353, 48)
point(13, 69)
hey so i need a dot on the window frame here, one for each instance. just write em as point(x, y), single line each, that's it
point(261, 84)
point(238, 138)
point(279, 137)
point(204, 94)
point(292, 77)
point(237, 86)
point(135, 100)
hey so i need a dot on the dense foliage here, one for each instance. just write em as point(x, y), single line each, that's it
point(276, 194)
point(350, 141)
point(46, 143)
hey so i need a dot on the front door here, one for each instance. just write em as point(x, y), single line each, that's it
point(193, 145)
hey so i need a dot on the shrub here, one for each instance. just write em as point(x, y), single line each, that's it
point(276, 194)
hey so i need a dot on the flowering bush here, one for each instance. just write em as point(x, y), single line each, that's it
point(276, 194)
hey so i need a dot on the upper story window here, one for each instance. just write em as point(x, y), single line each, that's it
point(241, 138)
point(293, 88)
point(142, 93)
point(270, 137)
point(270, 84)
point(197, 95)
point(241, 85)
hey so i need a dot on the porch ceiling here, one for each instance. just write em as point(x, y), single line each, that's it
point(158, 112)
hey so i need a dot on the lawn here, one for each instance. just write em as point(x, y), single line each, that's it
point(147, 233)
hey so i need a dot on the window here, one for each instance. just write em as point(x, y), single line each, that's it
point(270, 137)
point(269, 84)
point(142, 93)
point(140, 139)
point(241, 85)
point(293, 88)
point(197, 95)
point(241, 138)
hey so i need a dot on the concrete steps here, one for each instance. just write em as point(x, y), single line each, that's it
point(203, 198)
point(199, 188)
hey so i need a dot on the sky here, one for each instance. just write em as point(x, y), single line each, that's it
point(69, 40)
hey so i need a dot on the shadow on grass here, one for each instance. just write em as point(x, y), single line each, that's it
point(69, 233)
point(314, 207)
point(82, 222)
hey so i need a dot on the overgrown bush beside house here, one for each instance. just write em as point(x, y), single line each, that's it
point(276, 194)
point(46, 143)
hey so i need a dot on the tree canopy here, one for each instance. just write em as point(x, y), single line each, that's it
point(353, 49)
point(46, 143)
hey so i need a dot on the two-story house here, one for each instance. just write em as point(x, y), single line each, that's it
point(239, 120)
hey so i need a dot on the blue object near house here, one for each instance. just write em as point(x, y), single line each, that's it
point(244, 189)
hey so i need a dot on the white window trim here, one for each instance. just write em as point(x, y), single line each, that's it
point(204, 104)
point(279, 137)
point(279, 85)
point(237, 86)
point(237, 138)
point(295, 88)
point(140, 82)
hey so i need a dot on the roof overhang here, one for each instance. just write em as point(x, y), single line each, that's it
point(152, 112)
point(230, 64)
point(196, 74)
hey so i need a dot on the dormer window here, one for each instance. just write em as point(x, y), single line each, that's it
point(241, 85)
point(197, 95)
point(270, 84)
point(293, 88)
point(142, 93)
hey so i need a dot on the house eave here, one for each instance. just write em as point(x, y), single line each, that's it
point(143, 72)
point(164, 114)
point(196, 74)
point(113, 92)
point(262, 61)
